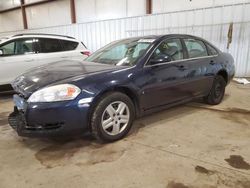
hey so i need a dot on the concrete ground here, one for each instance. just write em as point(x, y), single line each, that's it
point(189, 146)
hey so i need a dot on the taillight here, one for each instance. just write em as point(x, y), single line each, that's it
point(87, 53)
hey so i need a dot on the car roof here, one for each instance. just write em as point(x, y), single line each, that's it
point(164, 36)
point(42, 35)
point(169, 36)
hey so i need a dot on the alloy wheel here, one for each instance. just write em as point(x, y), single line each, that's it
point(115, 118)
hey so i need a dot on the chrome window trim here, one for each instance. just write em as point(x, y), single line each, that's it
point(170, 62)
point(189, 59)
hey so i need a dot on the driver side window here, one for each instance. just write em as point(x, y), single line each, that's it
point(168, 50)
point(18, 47)
point(8, 49)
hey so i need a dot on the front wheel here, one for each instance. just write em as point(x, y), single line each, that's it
point(217, 91)
point(112, 117)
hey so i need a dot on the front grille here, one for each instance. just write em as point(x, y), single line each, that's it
point(46, 126)
point(16, 119)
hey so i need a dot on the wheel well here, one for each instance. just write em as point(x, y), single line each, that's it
point(131, 95)
point(124, 90)
point(224, 74)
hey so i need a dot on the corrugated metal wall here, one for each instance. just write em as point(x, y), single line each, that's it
point(210, 23)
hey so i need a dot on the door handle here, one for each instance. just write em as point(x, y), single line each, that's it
point(212, 62)
point(181, 67)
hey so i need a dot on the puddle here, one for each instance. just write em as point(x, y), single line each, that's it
point(173, 184)
point(203, 170)
point(238, 162)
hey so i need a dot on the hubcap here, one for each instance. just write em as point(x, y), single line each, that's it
point(115, 118)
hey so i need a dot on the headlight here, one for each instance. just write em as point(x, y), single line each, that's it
point(62, 92)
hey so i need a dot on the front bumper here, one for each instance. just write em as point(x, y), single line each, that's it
point(48, 119)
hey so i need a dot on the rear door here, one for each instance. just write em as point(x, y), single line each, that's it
point(49, 50)
point(74, 50)
point(200, 64)
point(18, 56)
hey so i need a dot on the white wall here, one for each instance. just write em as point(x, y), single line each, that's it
point(178, 5)
point(87, 10)
point(6, 4)
point(209, 23)
point(11, 21)
point(51, 14)
point(58, 12)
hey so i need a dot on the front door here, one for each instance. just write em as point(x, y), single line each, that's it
point(17, 57)
point(165, 75)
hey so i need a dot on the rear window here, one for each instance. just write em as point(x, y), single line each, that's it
point(195, 48)
point(49, 45)
point(211, 50)
point(68, 45)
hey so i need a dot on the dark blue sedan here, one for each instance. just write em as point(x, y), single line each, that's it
point(116, 84)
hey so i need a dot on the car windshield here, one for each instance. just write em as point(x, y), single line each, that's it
point(121, 53)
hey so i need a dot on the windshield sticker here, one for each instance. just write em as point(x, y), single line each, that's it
point(146, 40)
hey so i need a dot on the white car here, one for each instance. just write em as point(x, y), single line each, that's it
point(21, 52)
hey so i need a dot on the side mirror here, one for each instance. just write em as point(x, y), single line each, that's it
point(160, 59)
point(1, 52)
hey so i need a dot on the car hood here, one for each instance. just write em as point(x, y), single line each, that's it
point(54, 72)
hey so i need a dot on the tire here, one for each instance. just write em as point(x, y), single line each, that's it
point(217, 91)
point(108, 128)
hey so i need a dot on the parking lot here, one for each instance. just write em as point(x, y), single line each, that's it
point(192, 145)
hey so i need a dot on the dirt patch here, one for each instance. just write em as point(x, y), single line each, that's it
point(4, 118)
point(244, 184)
point(238, 110)
point(237, 115)
point(135, 129)
point(3, 122)
point(78, 152)
point(238, 162)
point(102, 155)
point(173, 184)
point(219, 179)
point(56, 154)
point(203, 170)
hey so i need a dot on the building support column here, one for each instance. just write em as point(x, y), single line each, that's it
point(73, 11)
point(148, 6)
point(25, 24)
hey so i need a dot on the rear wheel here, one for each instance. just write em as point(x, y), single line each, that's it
point(112, 117)
point(217, 91)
